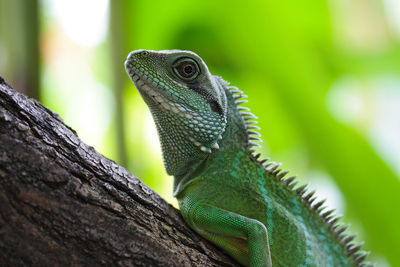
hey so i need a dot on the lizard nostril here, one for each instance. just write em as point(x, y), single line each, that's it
point(137, 53)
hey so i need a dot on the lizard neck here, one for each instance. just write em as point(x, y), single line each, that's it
point(235, 137)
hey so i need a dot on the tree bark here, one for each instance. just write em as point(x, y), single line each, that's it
point(62, 203)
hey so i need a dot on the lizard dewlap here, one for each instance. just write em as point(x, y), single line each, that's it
point(225, 192)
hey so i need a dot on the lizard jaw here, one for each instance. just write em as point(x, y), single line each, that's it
point(146, 88)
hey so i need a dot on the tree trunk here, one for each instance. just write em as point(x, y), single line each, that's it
point(62, 203)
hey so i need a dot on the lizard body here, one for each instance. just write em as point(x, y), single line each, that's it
point(225, 193)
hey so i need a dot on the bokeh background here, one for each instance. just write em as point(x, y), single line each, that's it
point(322, 76)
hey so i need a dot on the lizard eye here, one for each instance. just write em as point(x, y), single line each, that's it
point(186, 69)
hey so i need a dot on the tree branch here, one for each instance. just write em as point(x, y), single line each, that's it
point(62, 203)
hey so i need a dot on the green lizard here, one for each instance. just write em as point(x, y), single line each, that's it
point(225, 193)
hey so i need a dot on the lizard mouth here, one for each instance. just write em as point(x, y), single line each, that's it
point(147, 87)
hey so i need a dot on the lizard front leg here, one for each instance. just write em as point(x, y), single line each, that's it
point(244, 238)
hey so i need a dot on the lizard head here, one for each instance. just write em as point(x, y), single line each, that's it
point(188, 104)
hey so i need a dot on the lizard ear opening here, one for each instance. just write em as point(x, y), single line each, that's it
point(216, 107)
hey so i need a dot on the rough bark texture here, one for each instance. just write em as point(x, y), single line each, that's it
point(62, 203)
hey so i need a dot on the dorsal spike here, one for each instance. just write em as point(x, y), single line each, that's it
point(268, 164)
point(312, 200)
point(253, 127)
point(341, 236)
point(257, 156)
point(253, 132)
point(239, 96)
point(288, 180)
point(348, 239)
point(255, 138)
point(321, 209)
point(282, 174)
point(247, 120)
point(238, 102)
point(336, 226)
point(251, 143)
point(301, 189)
point(328, 218)
point(349, 245)
point(292, 185)
point(248, 114)
point(360, 256)
point(309, 195)
point(329, 212)
point(235, 90)
point(276, 172)
point(273, 167)
point(318, 204)
point(355, 248)
point(333, 221)
point(341, 229)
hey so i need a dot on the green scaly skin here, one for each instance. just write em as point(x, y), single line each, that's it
point(225, 193)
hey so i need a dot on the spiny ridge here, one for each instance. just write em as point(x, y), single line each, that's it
point(248, 117)
point(272, 168)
